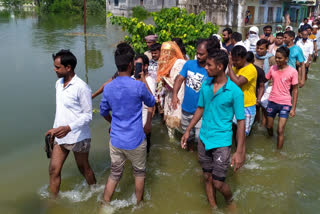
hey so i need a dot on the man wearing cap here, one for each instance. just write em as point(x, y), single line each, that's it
point(278, 30)
point(251, 42)
point(289, 28)
point(150, 40)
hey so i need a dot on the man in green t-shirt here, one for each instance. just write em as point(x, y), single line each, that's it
point(219, 100)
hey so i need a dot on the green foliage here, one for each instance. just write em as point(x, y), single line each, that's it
point(72, 6)
point(168, 24)
point(140, 13)
point(96, 7)
point(13, 4)
point(64, 5)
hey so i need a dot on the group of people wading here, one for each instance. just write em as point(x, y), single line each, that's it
point(213, 100)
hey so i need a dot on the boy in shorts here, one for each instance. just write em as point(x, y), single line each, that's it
point(220, 99)
point(284, 77)
point(244, 75)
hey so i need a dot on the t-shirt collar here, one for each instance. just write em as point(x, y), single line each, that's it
point(226, 86)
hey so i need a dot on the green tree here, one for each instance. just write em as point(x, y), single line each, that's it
point(13, 4)
point(168, 24)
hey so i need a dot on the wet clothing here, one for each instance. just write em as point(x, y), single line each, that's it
point(219, 109)
point(215, 161)
point(194, 75)
point(136, 156)
point(274, 108)
point(250, 114)
point(80, 147)
point(73, 108)
point(124, 96)
point(194, 133)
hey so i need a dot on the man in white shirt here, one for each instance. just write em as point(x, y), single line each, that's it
point(307, 47)
point(236, 40)
point(71, 131)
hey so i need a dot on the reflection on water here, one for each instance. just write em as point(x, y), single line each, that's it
point(270, 181)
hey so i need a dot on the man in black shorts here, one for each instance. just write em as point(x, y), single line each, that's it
point(220, 99)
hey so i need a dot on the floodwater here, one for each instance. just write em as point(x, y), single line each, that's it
point(270, 181)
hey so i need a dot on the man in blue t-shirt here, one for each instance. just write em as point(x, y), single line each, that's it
point(295, 57)
point(220, 99)
point(194, 74)
point(124, 96)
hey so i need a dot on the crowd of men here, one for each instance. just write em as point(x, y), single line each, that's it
point(230, 85)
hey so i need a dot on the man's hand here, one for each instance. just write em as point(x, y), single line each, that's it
point(50, 132)
point(142, 77)
point(59, 132)
point(301, 83)
point(292, 113)
point(307, 64)
point(174, 102)
point(230, 60)
point(238, 160)
point(184, 140)
point(147, 128)
point(258, 102)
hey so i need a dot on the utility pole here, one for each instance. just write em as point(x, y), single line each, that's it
point(85, 16)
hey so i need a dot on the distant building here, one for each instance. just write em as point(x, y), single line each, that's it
point(227, 12)
point(124, 7)
point(220, 12)
point(273, 11)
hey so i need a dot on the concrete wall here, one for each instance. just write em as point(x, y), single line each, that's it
point(221, 12)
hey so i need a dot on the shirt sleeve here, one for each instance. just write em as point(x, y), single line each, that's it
point(104, 104)
point(201, 97)
point(238, 104)
point(146, 96)
point(85, 102)
point(311, 50)
point(184, 70)
point(294, 78)
point(268, 75)
point(300, 55)
point(249, 73)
